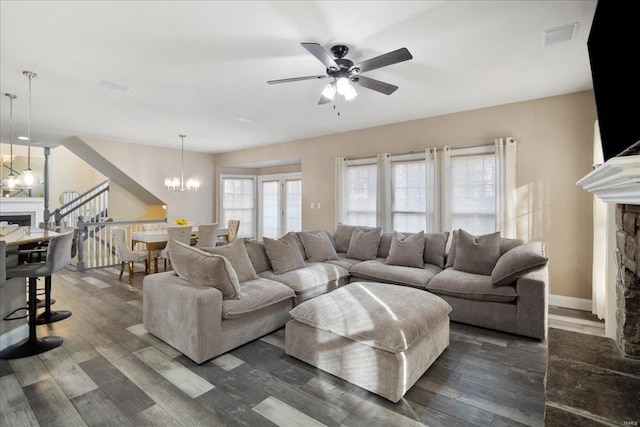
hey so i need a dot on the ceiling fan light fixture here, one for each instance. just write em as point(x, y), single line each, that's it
point(329, 91)
point(344, 88)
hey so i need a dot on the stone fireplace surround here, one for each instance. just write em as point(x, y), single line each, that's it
point(617, 181)
point(628, 280)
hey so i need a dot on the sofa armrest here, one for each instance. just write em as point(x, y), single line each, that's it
point(188, 317)
point(532, 308)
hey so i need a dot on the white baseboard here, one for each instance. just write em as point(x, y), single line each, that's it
point(570, 302)
point(14, 336)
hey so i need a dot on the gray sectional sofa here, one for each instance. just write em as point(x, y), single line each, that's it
point(220, 298)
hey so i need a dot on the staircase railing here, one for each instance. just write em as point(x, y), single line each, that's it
point(92, 204)
point(98, 248)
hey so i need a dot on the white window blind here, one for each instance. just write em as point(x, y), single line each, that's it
point(293, 205)
point(360, 198)
point(238, 203)
point(408, 195)
point(473, 192)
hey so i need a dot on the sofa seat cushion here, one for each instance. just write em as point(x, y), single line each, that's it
point(470, 286)
point(377, 270)
point(308, 278)
point(390, 318)
point(343, 261)
point(255, 295)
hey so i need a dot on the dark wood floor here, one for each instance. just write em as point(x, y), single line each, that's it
point(110, 372)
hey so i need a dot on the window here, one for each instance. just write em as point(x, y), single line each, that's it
point(237, 201)
point(360, 194)
point(436, 190)
point(280, 209)
point(473, 192)
point(408, 195)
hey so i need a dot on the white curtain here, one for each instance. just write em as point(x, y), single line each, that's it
point(432, 186)
point(383, 216)
point(506, 186)
point(341, 166)
point(445, 188)
point(599, 273)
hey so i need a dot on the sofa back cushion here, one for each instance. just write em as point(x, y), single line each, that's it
point(385, 244)
point(364, 244)
point(505, 246)
point(283, 254)
point(257, 255)
point(292, 237)
point(342, 236)
point(477, 254)
point(236, 253)
point(317, 246)
point(204, 269)
point(407, 250)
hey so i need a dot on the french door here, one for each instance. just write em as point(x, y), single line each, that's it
point(280, 204)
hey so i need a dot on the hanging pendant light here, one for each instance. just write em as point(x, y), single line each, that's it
point(29, 179)
point(10, 182)
point(179, 184)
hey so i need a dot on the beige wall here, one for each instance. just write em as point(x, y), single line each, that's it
point(70, 173)
point(555, 140)
point(148, 166)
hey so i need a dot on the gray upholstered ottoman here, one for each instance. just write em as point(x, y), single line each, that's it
point(378, 336)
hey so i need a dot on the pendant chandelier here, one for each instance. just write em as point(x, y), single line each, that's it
point(179, 184)
point(10, 182)
point(29, 179)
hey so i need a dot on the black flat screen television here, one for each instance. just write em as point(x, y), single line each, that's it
point(614, 54)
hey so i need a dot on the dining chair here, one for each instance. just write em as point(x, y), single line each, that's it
point(207, 235)
point(181, 233)
point(232, 233)
point(126, 255)
point(58, 257)
point(234, 225)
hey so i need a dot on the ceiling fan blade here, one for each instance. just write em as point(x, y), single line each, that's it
point(390, 58)
point(324, 100)
point(376, 85)
point(296, 79)
point(321, 53)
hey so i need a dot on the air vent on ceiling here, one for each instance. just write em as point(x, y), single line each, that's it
point(113, 86)
point(560, 34)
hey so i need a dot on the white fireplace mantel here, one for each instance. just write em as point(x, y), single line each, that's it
point(615, 181)
point(33, 206)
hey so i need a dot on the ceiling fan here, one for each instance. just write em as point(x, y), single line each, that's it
point(344, 72)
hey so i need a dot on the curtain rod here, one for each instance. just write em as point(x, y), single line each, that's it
point(414, 152)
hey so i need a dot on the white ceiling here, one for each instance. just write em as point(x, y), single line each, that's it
point(196, 67)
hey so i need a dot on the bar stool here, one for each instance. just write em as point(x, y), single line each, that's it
point(58, 257)
point(49, 316)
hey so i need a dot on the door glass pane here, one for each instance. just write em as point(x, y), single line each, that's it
point(270, 209)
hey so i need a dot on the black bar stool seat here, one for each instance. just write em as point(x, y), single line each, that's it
point(58, 257)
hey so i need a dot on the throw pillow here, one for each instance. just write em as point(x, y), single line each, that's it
point(518, 261)
point(284, 256)
point(407, 251)
point(435, 246)
point(236, 253)
point(294, 238)
point(477, 254)
point(317, 246)
point(342, 236)
point(364, 244)
point(204, 269)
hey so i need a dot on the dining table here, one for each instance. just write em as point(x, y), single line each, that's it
point(156, 239)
